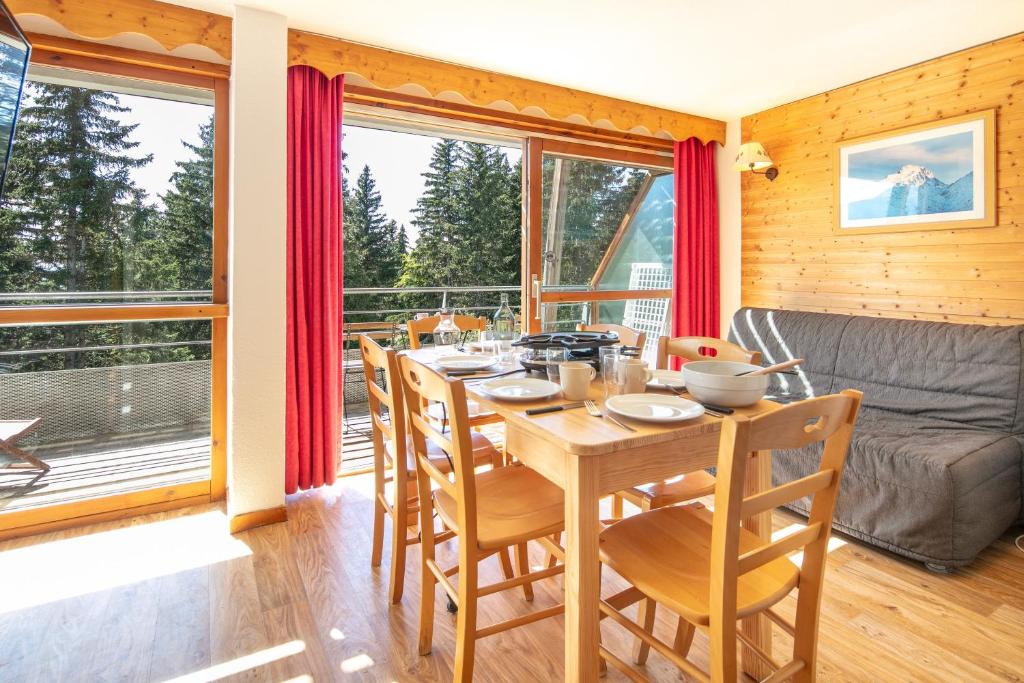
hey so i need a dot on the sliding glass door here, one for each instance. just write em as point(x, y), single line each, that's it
point(599, 245)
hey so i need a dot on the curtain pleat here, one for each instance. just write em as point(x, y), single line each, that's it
point(695, 310)
point(314, 298)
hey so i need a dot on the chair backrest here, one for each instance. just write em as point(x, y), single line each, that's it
point(423, 385)
point(389, 398)
point(378, 331)
point(703, 348)
point(829, 419)
point(627, 335)
point(426, 325)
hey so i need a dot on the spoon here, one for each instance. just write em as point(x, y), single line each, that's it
point(772, 368)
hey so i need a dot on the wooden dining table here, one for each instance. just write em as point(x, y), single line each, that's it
point(591, 457)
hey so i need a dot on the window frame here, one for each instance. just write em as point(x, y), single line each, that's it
point(113, 61)
point(534, 295)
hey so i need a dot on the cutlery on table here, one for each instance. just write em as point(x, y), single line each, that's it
point(474, 375)
point(709, 408)
point(596, 412)
point(554, 409)
point(772, 368)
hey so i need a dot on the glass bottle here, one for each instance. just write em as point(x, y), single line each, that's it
point(504, 320)
point(446, 334)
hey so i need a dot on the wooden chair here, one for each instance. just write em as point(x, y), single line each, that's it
point(695, 484)
point(13, 430)
point(703, 348)
point(507, 506)
point(381, 331)
point(711, 572)
point(465, 323)
point(393, 461)
point(628, 336)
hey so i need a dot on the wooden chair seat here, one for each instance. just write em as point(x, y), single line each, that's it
point(672, 492)
point(666, 553)
point(513, 505)
point(484, 453)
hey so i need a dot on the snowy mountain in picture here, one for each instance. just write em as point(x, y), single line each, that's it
point(914, 190)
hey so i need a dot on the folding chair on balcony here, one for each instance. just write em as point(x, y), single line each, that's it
point(385, 333)
point(13, 430)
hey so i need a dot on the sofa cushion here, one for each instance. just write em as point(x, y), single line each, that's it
point(926, 488)
point(784, 335)
point(969, 374)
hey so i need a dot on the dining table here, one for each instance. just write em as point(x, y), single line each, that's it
point(592, 457)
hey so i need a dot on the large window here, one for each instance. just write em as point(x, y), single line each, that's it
point(112, 302)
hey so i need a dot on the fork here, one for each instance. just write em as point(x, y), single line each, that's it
point(596, 412)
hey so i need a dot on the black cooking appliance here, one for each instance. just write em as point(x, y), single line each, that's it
point(582, 346)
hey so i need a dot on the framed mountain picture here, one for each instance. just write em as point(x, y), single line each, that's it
point(932, 176)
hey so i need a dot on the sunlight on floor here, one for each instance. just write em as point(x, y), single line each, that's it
point(356, 663)
point(246, 662)
point(48, 572)
point(834, 543)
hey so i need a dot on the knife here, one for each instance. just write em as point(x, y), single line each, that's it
point(554, 409)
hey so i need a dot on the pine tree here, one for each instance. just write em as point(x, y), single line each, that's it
point(70, 197)
point(371, 255)
point(469, 223)
point(188, 218)
point(70, 205)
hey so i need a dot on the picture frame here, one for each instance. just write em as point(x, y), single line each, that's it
point(939, 175)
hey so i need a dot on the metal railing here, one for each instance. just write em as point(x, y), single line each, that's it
point(443, 291)
point(153, 295)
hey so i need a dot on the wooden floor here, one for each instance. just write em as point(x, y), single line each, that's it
point(173, 595)
point(106, 466)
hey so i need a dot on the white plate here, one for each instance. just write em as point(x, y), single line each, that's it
point(519, 389)
point(664, 378)
point(654, 407)
point(465, 361)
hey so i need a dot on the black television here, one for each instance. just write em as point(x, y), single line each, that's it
point(14, 57)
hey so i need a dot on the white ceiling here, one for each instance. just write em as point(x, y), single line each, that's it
point(718, 58)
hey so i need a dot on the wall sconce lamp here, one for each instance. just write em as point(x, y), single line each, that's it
point(753, 158)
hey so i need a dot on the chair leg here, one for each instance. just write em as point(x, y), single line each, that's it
point(506, 563)
point(684, 637)
point(645, 617)
point(427, 579)
point(465, 624)
point(378, 531)
point(399, 530)
point(552, 560)
point(523, 563)
point(617, 508)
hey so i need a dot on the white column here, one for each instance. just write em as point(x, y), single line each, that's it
point(256, 339)
point(730, 222)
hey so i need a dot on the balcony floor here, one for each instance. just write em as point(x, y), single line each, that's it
point(107, 465)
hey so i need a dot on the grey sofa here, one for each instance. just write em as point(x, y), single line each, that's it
point(935, 470)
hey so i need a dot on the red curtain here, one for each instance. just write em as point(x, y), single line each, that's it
point(695, 259)
point(313, 382)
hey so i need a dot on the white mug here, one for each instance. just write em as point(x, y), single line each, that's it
point(575, 378)
point(632, 375)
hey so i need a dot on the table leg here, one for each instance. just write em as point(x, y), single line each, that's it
point(582, 570)
point(758, 628)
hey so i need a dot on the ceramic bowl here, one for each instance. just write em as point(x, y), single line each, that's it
point(716, 382)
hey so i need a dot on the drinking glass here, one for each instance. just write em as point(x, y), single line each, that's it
point(609, 356)
point(552, 358)
point(503, 351)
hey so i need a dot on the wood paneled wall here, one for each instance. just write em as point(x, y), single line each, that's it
point(791, 259)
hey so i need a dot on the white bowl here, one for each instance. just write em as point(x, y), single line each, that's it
point(715, 381)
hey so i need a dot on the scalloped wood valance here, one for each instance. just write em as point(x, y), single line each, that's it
point(137, 24)
point(405, 74)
